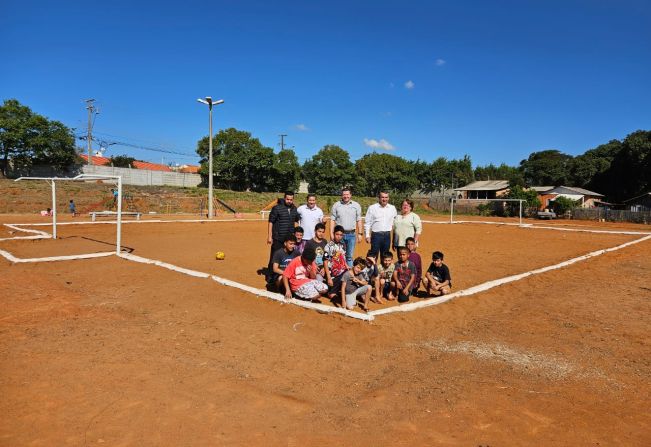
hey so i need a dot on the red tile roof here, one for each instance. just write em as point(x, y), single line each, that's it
point(190, 169)
point(96, 160)
point(150, 166)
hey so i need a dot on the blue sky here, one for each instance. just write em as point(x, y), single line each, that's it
point(495, 80)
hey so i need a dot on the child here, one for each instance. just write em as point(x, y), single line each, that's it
point(73, 209)
point(300, 277)
point(415, 258)
point(334, 261)
point(404, 275)
point(370, 273)
point(437, 278)
point(318, 244)
point(300, 243)
point(280, 260)
point(383, 284)
point(354, 285)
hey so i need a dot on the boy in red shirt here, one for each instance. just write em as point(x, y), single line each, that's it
point(299, 277)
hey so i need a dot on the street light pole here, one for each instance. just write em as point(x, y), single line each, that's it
point(210, 103)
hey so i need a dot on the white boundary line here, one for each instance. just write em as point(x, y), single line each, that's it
point(316, 306)
point(498, 282)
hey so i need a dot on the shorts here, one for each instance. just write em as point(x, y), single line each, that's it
point(351, 299)
point(311, 289)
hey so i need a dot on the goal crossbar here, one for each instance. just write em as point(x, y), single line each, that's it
point(83, 177)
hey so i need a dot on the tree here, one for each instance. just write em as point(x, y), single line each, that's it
point(240, 162)
point(444, 174)
point(27, 139)
point(587, 169)
point(562, 204)
point(629, 174)
point(518, 192)
point(501, 172)
point(287, 171)
point(329, 170)
point(122, 161)
point(546, 168)
point(377, 172)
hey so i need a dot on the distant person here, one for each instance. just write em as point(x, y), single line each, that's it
point(281, 260)
point(282, 218)
point(348, 214)
point(114, 193)
point(72, 208)
point(310, 215)
point(47, 212)
point(437, 279)
point(299, 278)
point(404, 275)
point(415, 259)
point(406, 224)
point(378, 224)
point(354, 285)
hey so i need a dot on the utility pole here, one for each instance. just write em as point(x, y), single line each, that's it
point(91, 109)
point(282, 141)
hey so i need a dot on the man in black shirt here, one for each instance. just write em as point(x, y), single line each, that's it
point(282, 218)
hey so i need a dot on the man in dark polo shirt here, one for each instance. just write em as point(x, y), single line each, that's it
point(282, 218)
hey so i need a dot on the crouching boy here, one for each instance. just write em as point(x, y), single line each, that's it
point(437, 279)
point(354, 285)
point(383, 284)
point(404, 275)
point(280, 260)
point(299, 277)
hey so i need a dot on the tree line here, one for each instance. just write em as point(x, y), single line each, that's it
point(617, 169)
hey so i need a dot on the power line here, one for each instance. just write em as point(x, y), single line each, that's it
point(107, 143)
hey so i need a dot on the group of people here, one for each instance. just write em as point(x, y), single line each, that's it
point(303, 264)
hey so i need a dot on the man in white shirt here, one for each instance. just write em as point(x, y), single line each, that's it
point(378, 224)
point(310, 215)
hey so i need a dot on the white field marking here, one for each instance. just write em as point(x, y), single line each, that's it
point(23, 238)
point(113, 222)
point(14, 259)
point(253, 290)
point(15, 227)
point(498, 282)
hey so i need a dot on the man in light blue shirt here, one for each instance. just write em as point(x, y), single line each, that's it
point(348, 214)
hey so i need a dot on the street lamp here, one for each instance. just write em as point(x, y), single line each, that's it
point(210, 103)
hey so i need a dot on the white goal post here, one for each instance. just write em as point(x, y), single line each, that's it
point(480, 201)
point(81, 178)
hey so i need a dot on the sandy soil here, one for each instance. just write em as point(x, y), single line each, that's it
point(109, 352)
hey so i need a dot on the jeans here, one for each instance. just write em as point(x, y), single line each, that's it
point(350, 239)
point(380, 241)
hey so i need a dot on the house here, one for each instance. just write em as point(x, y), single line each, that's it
point(587, 199)
point(96, 160)
point(639, 203)
point(484, 189)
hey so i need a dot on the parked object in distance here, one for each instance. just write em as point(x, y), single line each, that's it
point(547, 214)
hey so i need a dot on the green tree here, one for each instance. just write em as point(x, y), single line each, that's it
point(329, 170)
point(122, 161)
point(562, 204)
point(501, 172)
point(28, 139)
point(376, 172)
point(588, 168)
point(532, 202)
point(546, 168)
point(287, 171)
point(629, 174)
point(240, 162)
point(444, 174)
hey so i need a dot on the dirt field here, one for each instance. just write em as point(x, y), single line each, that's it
point(110, 352)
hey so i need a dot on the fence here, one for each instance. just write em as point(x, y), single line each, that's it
point(643, 217)
point(144, 177)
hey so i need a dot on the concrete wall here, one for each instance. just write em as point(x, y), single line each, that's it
point(145, 177)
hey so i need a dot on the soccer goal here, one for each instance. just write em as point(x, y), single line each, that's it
point(499, 203)
point(82, 178)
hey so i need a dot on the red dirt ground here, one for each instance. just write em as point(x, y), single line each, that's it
point(110, 352)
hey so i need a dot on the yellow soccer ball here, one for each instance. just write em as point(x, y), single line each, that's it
point(220, 255)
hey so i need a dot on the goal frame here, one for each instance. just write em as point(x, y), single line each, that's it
point(453, 199)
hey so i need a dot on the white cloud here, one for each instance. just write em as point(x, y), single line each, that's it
point(409, 84)
point(378, 144)
point(440, 62)
point(301, 127)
